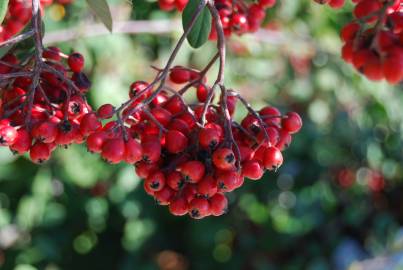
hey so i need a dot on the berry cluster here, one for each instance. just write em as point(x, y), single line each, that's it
point(19, 14)
point(236, 16)
point(190, 155)
point(374, 41)
point(45, 107)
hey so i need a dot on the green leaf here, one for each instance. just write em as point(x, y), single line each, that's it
point(102, 11)
point(202, 27)
point(3, 9)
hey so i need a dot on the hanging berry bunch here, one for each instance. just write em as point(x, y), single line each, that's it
point(41, 98)
point(373, 42)
point(19, 14)
point(237, 17)
point(190, 155)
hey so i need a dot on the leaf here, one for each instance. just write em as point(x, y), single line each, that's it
point(102, 11)
point(3, 9)
point(201, 28)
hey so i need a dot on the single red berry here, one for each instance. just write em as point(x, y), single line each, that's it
point(139, 90)
point(89, 124)
point(207, 187)
point(218, 204)
point(199, 208)
point(179, 75)
point(178, 206)
point(8, 135)
point(151, 150)
point(192, 171)
point(292, 122)
point(76, 62)
point(155, 181)
point(209, 138)
point(95, 141)
point(22, 142)
point(106, 111)
point(175, 141)
point(144, 169)
point(272, 158)
point(133, 151)
point(227, 181)
point(175, 180)
point(252, 169)
point(45, 132)
point(113, 150)
point(224, 159)
point(163, 197)
point(39, 152)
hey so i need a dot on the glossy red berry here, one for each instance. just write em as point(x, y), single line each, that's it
point(39, 152)
point(106, 111)
point(192, 171)
point(207, 187)
point(8, 135)
point(178, 206)
point(218, 204)
point(155, 181)
point(199, 208)
point(252, 169)
point(133, 151)
point(209, 138)
point(272, 158)
point(76, 62)
point(175, 141)
point(292, 122)
point(113, 150)
point(224, 159)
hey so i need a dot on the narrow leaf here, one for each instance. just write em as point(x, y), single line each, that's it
point(202, 27)
point(102, 11)
point(3, 9)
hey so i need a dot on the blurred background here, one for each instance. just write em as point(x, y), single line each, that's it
point(334, 204)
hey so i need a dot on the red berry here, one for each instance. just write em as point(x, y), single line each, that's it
point(8, 135)
point(207, 187)
point(178, 206)
point(133, 151)
point(106, 111)
point(39, 152)
point(252, 169)
point(272, 158)
point(76, 62)
point(192, 171)
point(113, 150)
point(224, 159)
point(163, 197)
point(227, 181)
point(175, 180)
point(175, 141)
point(179, 75)
point(209, 138)
point(292, 122)
point(199, 208)
point(218, 204)
point(22, 142)
point(155, 181)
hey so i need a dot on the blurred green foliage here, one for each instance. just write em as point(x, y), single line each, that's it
point(337, 198)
